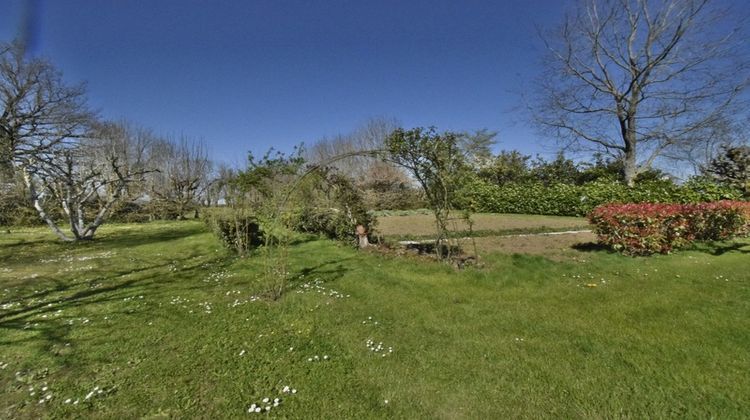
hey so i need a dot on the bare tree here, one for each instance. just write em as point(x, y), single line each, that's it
point(38, 111)
point(638, 78)
point(183, 177)
point(220, 185)
point(85, 179)
point(358, 166)
point(132, 145)
point(688, 159)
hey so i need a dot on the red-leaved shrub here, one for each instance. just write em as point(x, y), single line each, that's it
point(647, 228)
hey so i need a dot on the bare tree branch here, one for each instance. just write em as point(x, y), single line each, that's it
point(641, 76)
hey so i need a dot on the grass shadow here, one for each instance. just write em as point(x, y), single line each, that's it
point(304, 238)
point(591, 247)
point(322, 271)
point(102, 289)
point(721, 248)
point(141, 237)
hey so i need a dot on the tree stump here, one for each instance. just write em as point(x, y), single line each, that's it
point(362, 237)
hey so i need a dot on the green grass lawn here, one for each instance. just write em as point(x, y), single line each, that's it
point(158, 320)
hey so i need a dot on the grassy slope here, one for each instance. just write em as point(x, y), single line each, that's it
point(664, 336)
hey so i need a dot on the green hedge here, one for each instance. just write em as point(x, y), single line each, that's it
point(580, 200)
point(238, 230)
point(330, 222)
point(241, 230)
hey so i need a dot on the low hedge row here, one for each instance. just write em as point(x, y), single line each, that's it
point(580, 200)
point(328, 222)
point(238, 230)
point(648, 228)
point(241, 230)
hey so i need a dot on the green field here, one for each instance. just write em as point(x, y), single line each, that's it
point(423, 225)
point(157, 320)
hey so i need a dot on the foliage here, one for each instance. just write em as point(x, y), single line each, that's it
point(333, 208)
point(239, 231)
point(129, 212)
point(731, 167)
point(507, 166)
point(610, 169)
point(646, 228)
point(477, 147)
point(560, 170)
point(514, 167)
point(579, 200)
point(277, 194)
point(270, 176)
point(265, 192)
point(15, 209)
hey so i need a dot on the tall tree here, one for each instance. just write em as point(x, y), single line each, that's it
point(38, 111)
point(638, 78)
point(438, 163)
point(477, 147)
point(359, 164)
point(183, 176)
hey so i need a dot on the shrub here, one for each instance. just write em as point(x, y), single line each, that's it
point(160, 209)
point(330, 222)
point(16, 209)
point(647, 228)
point(238, 230)
point(129, 212)
point(579, 200)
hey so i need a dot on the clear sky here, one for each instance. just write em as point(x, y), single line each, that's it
point(247, 75)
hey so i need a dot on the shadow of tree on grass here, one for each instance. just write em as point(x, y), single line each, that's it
point(36, 310)
point(591, 247)
point(326, 271)
point(721, 248)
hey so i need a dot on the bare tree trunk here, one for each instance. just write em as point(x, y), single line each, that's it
point(38, 206)
point(629, 164)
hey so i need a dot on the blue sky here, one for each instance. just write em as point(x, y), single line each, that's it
point(247, 75)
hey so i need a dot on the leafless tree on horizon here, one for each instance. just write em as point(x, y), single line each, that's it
point(640, 78)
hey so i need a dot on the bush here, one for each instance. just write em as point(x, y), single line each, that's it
point(330, 222)
point(580, 200)
point(129, 212)
point(17, 210)
point(158, 209)
point(647, 228)
point(238, 230)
